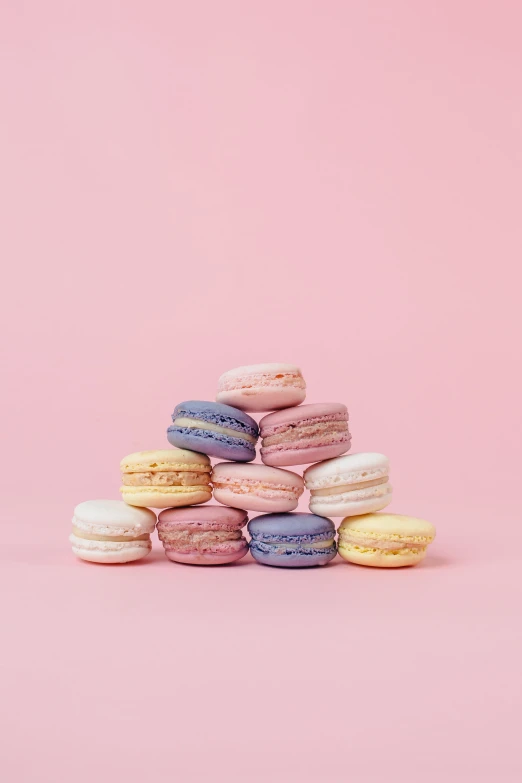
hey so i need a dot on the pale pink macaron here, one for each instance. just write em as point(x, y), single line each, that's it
point(203, 535)
point(262, 387)
point(305, 434)
point(256, 487)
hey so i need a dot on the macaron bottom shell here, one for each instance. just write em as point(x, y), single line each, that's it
point(348, 508)
point(280, 556)
point(380, 559)
point(262, 398)
point(166, 497)
point(109, 551)
point(281, 501)
point(211, 443)
point(208, 558)
point(306, 456)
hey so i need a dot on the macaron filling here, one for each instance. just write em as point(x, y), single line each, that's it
point(245, 486)
point(218, 541)
point(385, 543)
point(161, 477)
point(215, 415)
point(340, 480)
point(171, 478)
point(95, 536)
point(253, 380)
point(101, 548)
point(360, 485)
point(282, 548)
point(306, 543)
point(323, 431)
point(207, 429)
point(346, 494)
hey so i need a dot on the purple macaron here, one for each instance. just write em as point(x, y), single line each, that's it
point(214, 429)
point(293, 540)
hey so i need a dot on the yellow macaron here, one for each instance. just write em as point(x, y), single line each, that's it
point(384, 540)
point(166, 478)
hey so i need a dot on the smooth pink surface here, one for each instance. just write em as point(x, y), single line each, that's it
point(207, 558)
point(256, 474)
point(261, 399)
point(299, 413)
point(299, 456)
point(188, 187)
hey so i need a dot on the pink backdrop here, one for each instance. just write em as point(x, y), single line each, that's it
point(189, 186)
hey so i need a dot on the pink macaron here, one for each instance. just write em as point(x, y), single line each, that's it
point(262, 387)
point(305, 434)
point(256, 487)
point(203, 535)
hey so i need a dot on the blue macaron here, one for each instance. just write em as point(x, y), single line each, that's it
point(292, 540)
point(214, 429)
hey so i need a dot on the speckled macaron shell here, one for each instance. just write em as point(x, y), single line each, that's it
point(385, 540)
point(292, 540)
point(165, 478)
point(349, 485)
point(256, 487)
point(304, 434)
point(262, 387)
point(203, 535)
point(214, 429)
point(110, 531)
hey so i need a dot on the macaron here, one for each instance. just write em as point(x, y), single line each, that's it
point(292, 540)
point(349, 485)
point(262, 387)
point(256, 487)
point(214, 429)
point(204, 535)
point(164, 478)
point(305, 434)
point(110, 531)
point(384, 540)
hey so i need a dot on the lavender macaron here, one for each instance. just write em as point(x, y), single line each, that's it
point(214, 429)
point(292, 540)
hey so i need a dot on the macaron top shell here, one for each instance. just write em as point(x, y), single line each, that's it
point(389, 524)
point(262, 387)
point(290, 525)
point(164, 460)
point(301, 413)
point(217, 413)
point(363, 466)
point(257, 369)
point(207, 516)
point(261, 473)
point(114, 515)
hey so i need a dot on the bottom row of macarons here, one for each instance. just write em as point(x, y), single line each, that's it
point(110, 531)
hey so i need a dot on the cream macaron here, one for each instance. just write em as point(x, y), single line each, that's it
point(110, 531)
point(349, 485)
point(384, 540)
point(166, 478)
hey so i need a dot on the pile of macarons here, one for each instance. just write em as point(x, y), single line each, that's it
point(180, 481)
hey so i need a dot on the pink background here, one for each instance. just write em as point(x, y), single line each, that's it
point(190, 186)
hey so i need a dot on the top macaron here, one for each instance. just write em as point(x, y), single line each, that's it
point(262, 387)
point(214, 429)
